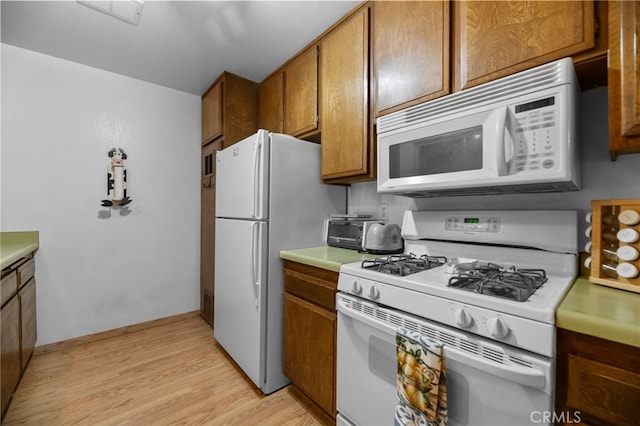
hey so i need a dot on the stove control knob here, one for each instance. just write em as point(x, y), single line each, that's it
point(374, 293)
point(497, 328)
point(356, 288)
point(463, 319)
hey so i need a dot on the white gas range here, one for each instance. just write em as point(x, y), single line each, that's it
point(486, 284)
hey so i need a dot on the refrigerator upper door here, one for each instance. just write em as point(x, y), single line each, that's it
point(242, 179)
point(239, 307)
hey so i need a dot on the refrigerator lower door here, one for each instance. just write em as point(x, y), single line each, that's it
point(239, 311)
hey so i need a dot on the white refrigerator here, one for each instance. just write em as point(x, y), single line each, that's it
point(269, 197)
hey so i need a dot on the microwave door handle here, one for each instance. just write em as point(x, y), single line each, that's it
point(501, 131)
point(514, 373)
point(509, 145)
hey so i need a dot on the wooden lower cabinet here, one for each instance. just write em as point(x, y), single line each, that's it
point(10, 350)
point(310, 327)
point(597, 380)
point(18, 325)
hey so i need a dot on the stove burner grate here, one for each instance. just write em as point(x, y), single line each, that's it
point(403, 264)
point(494, 280)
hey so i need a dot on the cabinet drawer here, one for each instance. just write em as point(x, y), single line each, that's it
point(311, 288)
point(26, 271)
point(9, 285)
point(608, 392)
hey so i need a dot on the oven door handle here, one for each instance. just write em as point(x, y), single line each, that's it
point(526, 376)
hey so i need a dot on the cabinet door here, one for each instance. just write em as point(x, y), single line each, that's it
point(270, 104)
point(624, 78)
point(10, 350)
point(240, 108)
point(207, 230)
point(309, 350)
point(301, 93)
point(498, 38)
point(212, 113)
point(344, 99)
point(598, 379)
point(28, 321)
point(410, 45)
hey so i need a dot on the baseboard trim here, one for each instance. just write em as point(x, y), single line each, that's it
point(66, 344)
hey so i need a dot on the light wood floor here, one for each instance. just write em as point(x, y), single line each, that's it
point(172, 374)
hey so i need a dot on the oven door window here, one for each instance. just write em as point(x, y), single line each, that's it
point(456, 151)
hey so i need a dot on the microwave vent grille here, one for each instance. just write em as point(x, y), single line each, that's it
point(532, 80)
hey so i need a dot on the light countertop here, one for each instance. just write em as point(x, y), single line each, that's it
point(15, 245)
point(601, 311)
point(325, 257)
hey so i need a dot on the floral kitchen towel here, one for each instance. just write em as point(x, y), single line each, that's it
point(420, 380)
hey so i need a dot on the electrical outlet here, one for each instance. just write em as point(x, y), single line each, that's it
point(384, 211)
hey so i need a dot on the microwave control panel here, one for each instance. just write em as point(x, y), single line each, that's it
point(474, 224)
point(534, 134)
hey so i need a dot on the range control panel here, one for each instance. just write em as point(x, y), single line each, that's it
point(473, 223)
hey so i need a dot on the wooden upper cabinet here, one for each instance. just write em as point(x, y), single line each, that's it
point(347, 150)
point(410, 45)
point(493, 39)
point(270, 103)
point(624, 78)
point(301, 93)
point(212, 113)
point(229, 110)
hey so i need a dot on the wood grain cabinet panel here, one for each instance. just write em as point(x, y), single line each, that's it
point(410, 45)
point(310, 326)
point(309, 356)
point(212, 113)
point(271, 103)
point(624, 78)
point(10, 350)
point(498, 38)
point(28, 329)
point(597, 380)
point(207, 229)
point(301, 93)
point(8, 285)
point(18, 324)
point(229, 110)
point(347, 151)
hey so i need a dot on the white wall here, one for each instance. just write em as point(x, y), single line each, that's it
point(602, 179)
point(100, 268)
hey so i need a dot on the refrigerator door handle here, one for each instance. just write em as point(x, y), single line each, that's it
point(256, 177)
point(255, 240)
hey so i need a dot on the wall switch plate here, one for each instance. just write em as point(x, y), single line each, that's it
point(384, 211)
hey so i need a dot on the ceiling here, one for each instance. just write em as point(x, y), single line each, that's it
point(184, 45)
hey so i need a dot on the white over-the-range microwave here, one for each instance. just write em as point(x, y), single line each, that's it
point(518, 134)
